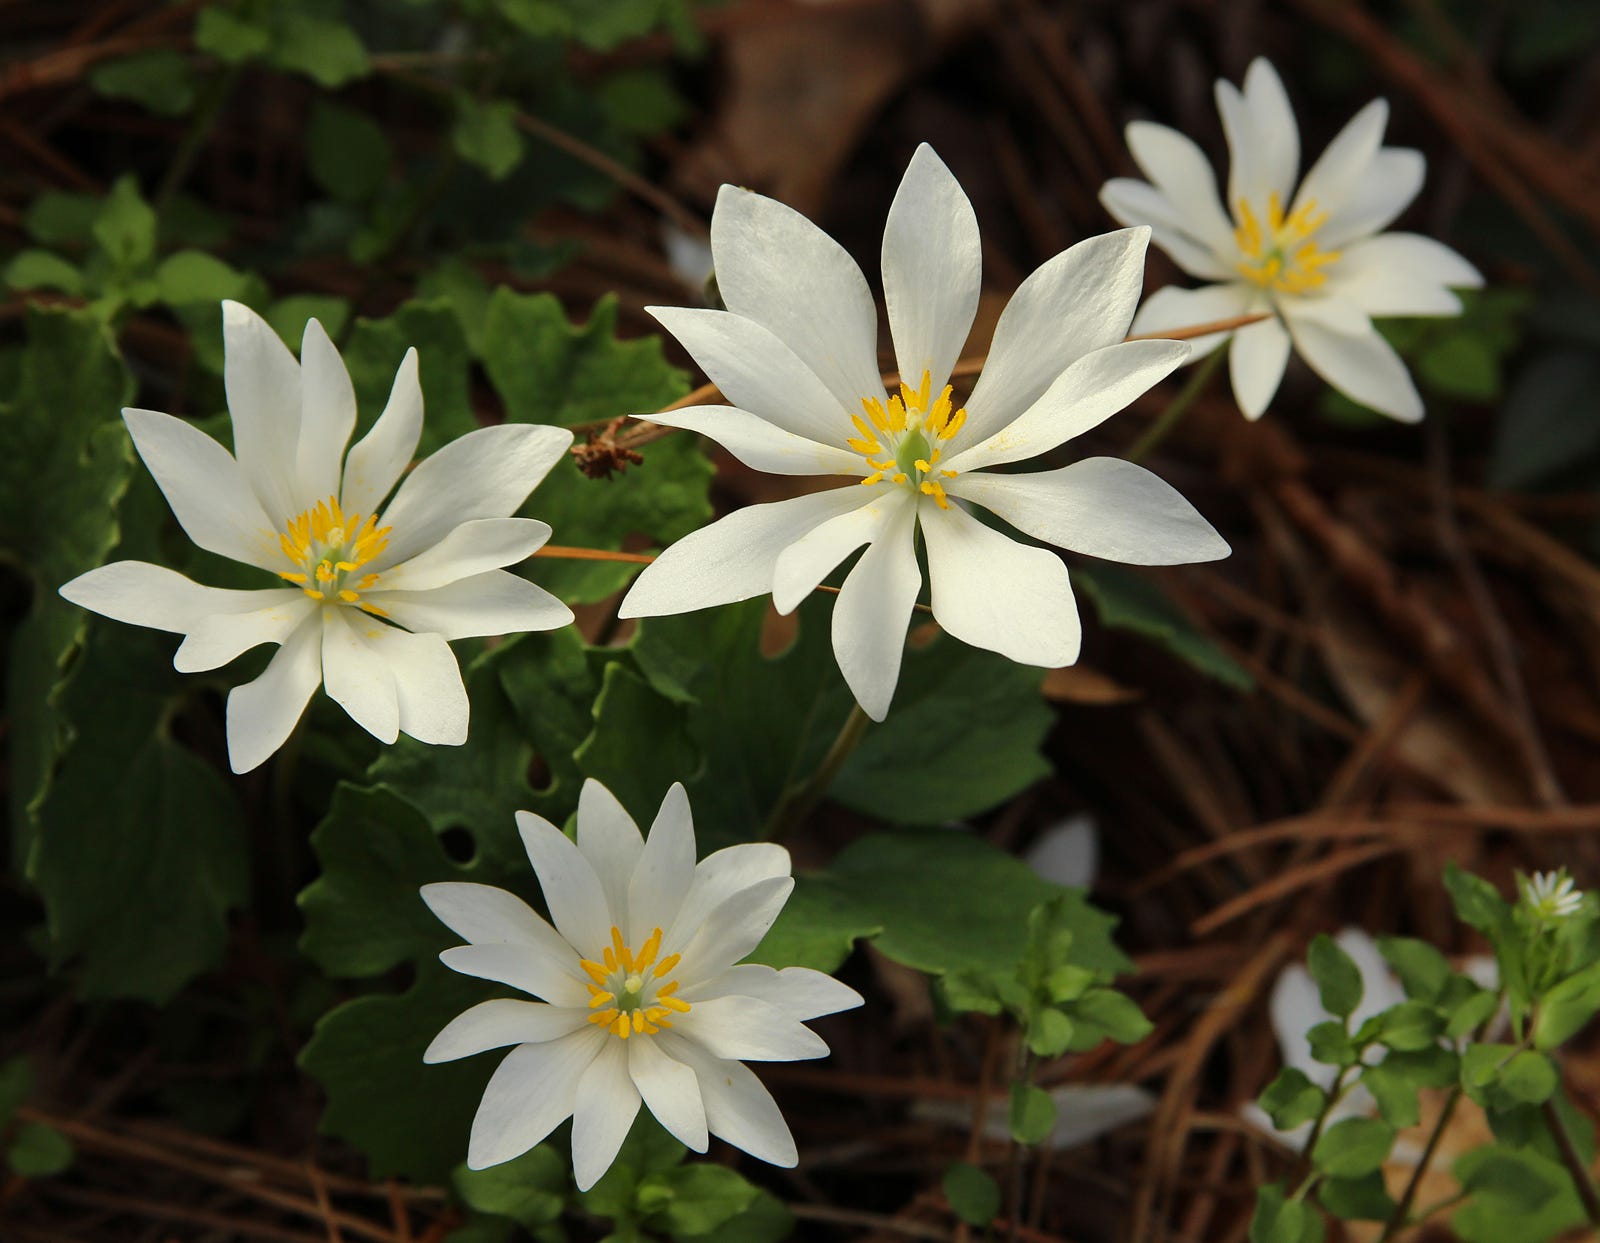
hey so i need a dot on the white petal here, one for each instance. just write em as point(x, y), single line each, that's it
point(761, 445)
point(494, 603)
point(717, 878)
point(1256, 361)
point(1175, 307)
point(1277, 134)
point(604, 1109)
point(757, 372)
point(733, 558)
point(994, 593)
point(495, 1024)
point(799, 992)
point(738, 1108)
point(1067, 853)
point(526, 967)
point(733, 929)
point(1177, 167)
point(1339, 174)
point(609, 839)
point(142, 594)
point(487, 915)
point(665, 868)
point(932, 270)
point(206, 489)
point(749, 1030)
point(474, 547)
point(815, 555)
point(530, 1094)
point(485, 474)
point(263, 386)
point(1364, 368)
point(215, 640)
point(375, 462)
point(873, 611)
point(357, 678)
point(571, 889)
point(429, 691)
point(1296, 1008)
point(1084, 396)
point(1392, 180)
point(262, 714)
point(1073, 304)
point(774, 266)
point(671, 1092)
point(327, 416)
point(1103, 507)
point(1328, 308)
point(1403, 274)
point(1172, 229)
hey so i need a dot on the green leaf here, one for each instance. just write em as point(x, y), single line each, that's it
point(1477, 902)
point(125, 227)
point(1396, 1095)
point(1331, 1044)
point(1550, 421)
point(1049, 1032)
point(1422, 969)
point(972, 1193)
point(626, 712)
point(704, 1197)
point(1337, 976)
point(1353, 1148)
point(1291, 1099)
point(817, 928)
point(530, 1189)
point(1128, 601)
point(1410, 1026)
point(347, 152)
point(58, 218)
point(194, 276)
point(766, 1220)
point(16, 1082)
point(326, 50)
point(1357, 1199)
point(43, 269)
point(38, 1151)
point(1567, 1008)
point(375, 351)
point(289, 316)
point(1280, 1220)
point(485, 135)
point(1033, 1113)
point(641, 101)
point(1471, 1013)
point(647, 1153)
point(1113, 1013)
point(160, 81)
point(1529, 1078)
point(1515, 1196)
point(1463, 365)
point(228, 37)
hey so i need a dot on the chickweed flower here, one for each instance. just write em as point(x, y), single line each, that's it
point(644, 997)
point(1551, 896)
point(1315, 258)
point(368, 595)
point(796, 355)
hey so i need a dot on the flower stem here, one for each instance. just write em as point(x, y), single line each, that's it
point(1177, 408)
point(1581, 1178)
point(799, 800)
point(1402, 1209)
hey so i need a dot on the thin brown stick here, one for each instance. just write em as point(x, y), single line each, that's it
point(1289, 882)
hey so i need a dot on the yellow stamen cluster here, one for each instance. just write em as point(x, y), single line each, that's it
point(1279, 253)
point(624, 996)
point(901, 439)
point(326, 547)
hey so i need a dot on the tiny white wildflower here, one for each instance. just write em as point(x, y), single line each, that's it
point(1551, 895)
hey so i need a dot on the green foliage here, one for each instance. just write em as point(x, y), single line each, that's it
point(347, 152)
point(1291, 1099)
point(973, 1193)
point(160, 81)
point(486, 135)
point(38, 1151)
point(1281, 1219)
point(1337, 976)
point(1129, 601)
point(1353, 1148)
point(1033, 1113)
point(297, 36)
point(531, 1189)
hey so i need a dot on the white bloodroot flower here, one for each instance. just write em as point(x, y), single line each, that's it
point(366, 604)
point(1314, 259)
point(796, 355)
point(642, 1000)
point(1551, 896)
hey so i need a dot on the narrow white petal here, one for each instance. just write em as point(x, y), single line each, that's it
point(738, 1108)
point(733, 558)
point(604, 1109)
point(733, 929)
point(1073, 304)
point(1103, 507)
point(1364, 368)
point(207, 491)
point(1341, 171)
point(1277, 134)
point(494, 603)
point(609, 839)
point(142, 594)
point(671, 1092)
point(799, 992)
point(571, 889)
point(262, 714)
point(765, 446)
point(873, 611)
point(1392, 180)
point(749, 1030)
point(429, 692)
point(1175, 307)
point(486, 915)
point(932, 269)
point(474, 547)
point(215, 640)
point(375, 462)
point(262, 381)
point(485, 474)
point(717, 878)
point(1403, 274)
point(774, 266)
point(327, 416)
point(1256, 361)
point(357, 678)
point(530, 1094)
point(496, 1024)
point(1172, 229)
point(1178, 168)
point(526, 967)
point(757, 372)
point(815, 555)
point(1084, 396)
point(665, 868)
point(1329, 308)
point(994, 593)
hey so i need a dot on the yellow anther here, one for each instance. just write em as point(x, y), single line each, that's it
point(674, 1003)
point(602, 999)
point(1282, 256)
point(949, 474)
point(638, 1020)
point(349, 597)
point(875, 477)
point(312, 592)
point(372, 608)
point(648, 951)
point(874, 409)
point(605, 1017)
point(897, 415)
point(324, 572)
point(292, 576)
point(622, 1027)
point(924, 465)
point(624, 954)
point(899, 476)
point(610, 959)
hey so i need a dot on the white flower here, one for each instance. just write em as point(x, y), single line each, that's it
point(796, 354)
point(642, 1000)
point(1551, 895)
point(1315, 259)
point(374, 599)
